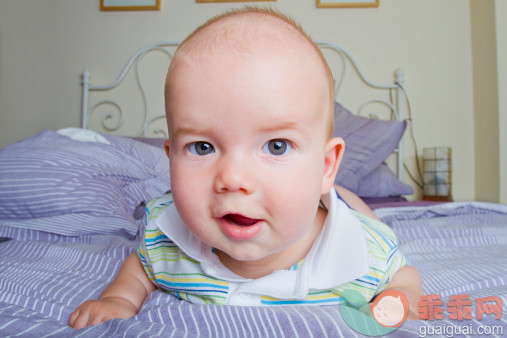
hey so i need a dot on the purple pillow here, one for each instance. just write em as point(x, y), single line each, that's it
point(382, 182)
point(156, 142)
point(52, 183)
point(368, 143)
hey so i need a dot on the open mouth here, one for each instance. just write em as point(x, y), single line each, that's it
point(240, 227)
point(240, 220)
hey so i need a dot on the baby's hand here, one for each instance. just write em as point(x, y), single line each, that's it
point(94, 312)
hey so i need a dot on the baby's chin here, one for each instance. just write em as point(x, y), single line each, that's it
point(250, 263)
point(243, 255)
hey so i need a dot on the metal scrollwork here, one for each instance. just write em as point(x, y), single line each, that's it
point(157, 131)
point(109, 115)
point(137, 58)
point(375, 116)
point(143, 93)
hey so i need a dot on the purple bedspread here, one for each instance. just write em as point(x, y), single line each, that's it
point(459, 248)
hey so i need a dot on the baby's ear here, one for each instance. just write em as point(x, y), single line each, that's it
point(166, 147)
point(333, 157)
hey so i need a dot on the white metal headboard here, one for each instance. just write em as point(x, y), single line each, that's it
point(395, 105)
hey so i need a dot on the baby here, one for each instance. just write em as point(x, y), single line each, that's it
point(253, 217)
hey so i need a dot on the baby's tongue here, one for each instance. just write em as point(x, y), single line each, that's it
point(242, 220)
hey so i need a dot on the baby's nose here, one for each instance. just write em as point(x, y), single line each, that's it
point(235, 175)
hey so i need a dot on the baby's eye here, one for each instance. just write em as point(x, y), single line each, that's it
point(277, 147)
point(200, 148)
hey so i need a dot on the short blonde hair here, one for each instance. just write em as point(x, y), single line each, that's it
point(198, 41)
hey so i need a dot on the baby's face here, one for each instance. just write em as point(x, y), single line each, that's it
point(247, 151)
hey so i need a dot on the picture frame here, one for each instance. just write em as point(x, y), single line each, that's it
point(130, 5)
point(217, 1)
point(347, 3)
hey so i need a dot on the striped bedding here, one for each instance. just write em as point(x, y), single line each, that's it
point(66, 227)
point(460, 248)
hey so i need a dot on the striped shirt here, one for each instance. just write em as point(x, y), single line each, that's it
point(353, 252)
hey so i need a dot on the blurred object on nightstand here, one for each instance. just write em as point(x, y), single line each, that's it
point(437, 167)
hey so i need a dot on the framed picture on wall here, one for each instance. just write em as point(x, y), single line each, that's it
point(130, 5)
point(209, 1)
point(347, 3)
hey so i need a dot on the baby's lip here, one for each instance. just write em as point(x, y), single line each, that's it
point(239, 219)
point(240, 227)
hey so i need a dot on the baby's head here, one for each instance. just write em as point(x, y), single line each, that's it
point(256, 33)
point(249, 101)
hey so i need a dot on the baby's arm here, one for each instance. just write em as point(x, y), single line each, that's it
point(408, 281)
point(121, 299)
point(355, 202)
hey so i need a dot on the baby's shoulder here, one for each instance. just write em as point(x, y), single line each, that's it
point(157, 205)
point(378, 234)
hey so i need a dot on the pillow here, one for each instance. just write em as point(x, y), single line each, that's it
point(52, 183)
point(156, 142)
point(368, 143)
point(382, 182)
point(376, 201)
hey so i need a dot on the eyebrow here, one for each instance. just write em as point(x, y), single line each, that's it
point(186, 131)
point(289, 125)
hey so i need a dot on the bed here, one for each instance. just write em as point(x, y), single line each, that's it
point(72, 203)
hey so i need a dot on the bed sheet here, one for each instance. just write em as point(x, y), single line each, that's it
point(44, 277)
point(397, 202)
point(460, 248)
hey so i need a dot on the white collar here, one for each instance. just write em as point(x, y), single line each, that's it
point(339, 255)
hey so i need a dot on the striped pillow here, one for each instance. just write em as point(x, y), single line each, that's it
point(382, 182)
point(52, 183)
point(368, 143)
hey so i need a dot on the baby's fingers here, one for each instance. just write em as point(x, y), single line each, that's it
point(78, 319)
point(86, 314)
point(73, 317)
point(94, 312)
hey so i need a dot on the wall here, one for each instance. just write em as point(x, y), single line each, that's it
point(485, 100)
point(489, 55)
point(44, 45)
point(501, 39)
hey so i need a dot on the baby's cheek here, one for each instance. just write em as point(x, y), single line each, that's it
point(188, 206)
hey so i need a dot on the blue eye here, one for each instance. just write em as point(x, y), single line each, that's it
point(277, 147)
point(201, 148)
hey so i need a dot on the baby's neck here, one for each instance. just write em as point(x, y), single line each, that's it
point(281, 260)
